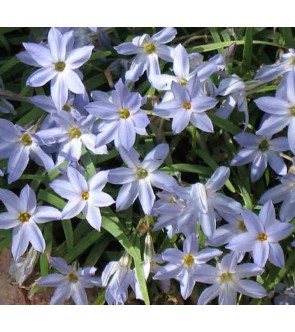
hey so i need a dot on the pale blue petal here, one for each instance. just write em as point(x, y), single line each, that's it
point(41, 76)
point(273, 124)
point(35, 236)
point(130, 157)
point(258, 167)
point(208, 294)
point(155, 157)
point(276, 163)
point(79, 295)
point(242, 243)
point(287, 211)
point(218, 178)
point(77, 180)
point(276, 255)
point(61, 294)
point(79, 56)
point(276, 194)
point(27, 199)
point(180, 62)
point(273, 105)
point(121, 175)
point(17, 163)
point(60, 264)
point(278, 231)
point(8, 220)
point(64, 189)
point(73, 208)
point(243, 157)
point(267, 214)
point(73, 81)
point(291, 135)
point(126, 133)
point(227, 295)
point(186, 284)
point(51, 280)
point(252, 222)
point(248, 270)
point(56, 45)
point(202, 121)
point(127, 195)
point(260, 252)
point(146, 196)
point(39, 53)
point(101, 199)
point(20, 241)
point(44, 214)
point(59, 91)
point(93, 216)
point(164, 36)
point(162, 180)
point(250, 288)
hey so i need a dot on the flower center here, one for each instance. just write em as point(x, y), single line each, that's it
point(263, 146)
point(26, 139)
point(183, 82)
point(124, 113)
point(60, 66)
point(149, 48)
point(141, 173)
point(187, 105)
point(66, 108)
point(189, 260)
point(85, 195)
point(226, 277)
point(72, 277)
point(262, 237)
point(292, 110)
point(172, 200)
point(74, 132)
point(24, 217)
point(242, 226)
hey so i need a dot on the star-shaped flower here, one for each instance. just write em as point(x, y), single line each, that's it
point(23, 215)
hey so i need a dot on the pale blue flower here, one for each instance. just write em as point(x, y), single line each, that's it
point(176, 211)
point(234, 225)
point(23, 215)
point(19, 145)
point(121, 117)
point(148, 50)
point(270, 72)
point(5, 106)
point(139, 178)
point(235, 90)
point(189, 105)
point(280, 112)
point(117, 276)
point(70, 282)
point(210, 202)
point(284, 192)
point(262, 236)
point(59, 63)
point(72, 134)
point(227, 280)
point(83, 196)
point(261, 150)
point(183, 265)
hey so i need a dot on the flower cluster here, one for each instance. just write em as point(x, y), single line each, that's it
point(227, 245)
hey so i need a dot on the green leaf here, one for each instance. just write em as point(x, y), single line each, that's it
point(248, 48)
point(288, 36)
point(217, 46)
point(225, 124)
point(69, 235)
point(201, 170)
point(8, 65)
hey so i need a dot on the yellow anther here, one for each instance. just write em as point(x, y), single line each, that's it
point(124, 113)
point(141, 173)
point(189, 260)
point(66, 108)
point(24, 217)
point(264, 145)
point(226, 277)
point(72, 277)
point(242, 226)
point(85, 195)
point(74, 133)
point(262, 237)
point(183, 82)
point(26, 139)
point(149, 48)
point(187, 105)
point(60, 66)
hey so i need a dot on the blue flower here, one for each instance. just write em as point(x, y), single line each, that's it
point(262, 236)
point(148, 50)
point(70, 282)
point(227, 280)
point(139, 178)
point(189, 105)
point(261, 150)
point(121, 117)
point(183, 265)
point(23, 215)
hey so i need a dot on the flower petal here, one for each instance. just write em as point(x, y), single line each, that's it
point(208, 294)
point(146, 196)
point(44, 214)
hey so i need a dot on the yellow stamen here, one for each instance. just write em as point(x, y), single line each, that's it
point(262, 237)
point(263, 146)
point(172, 200)
point(242, 226)
point(66, 108)
point(141, 173)
point(60, 66)
point(183, 82)
point(26, 140)
point(72, 277)
point(124, 113)
point(24, 217)
point(187, 105)
point(226, 277)
point(74, 133)
point(85, 195)
point(149, 48)
point(189, 260)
